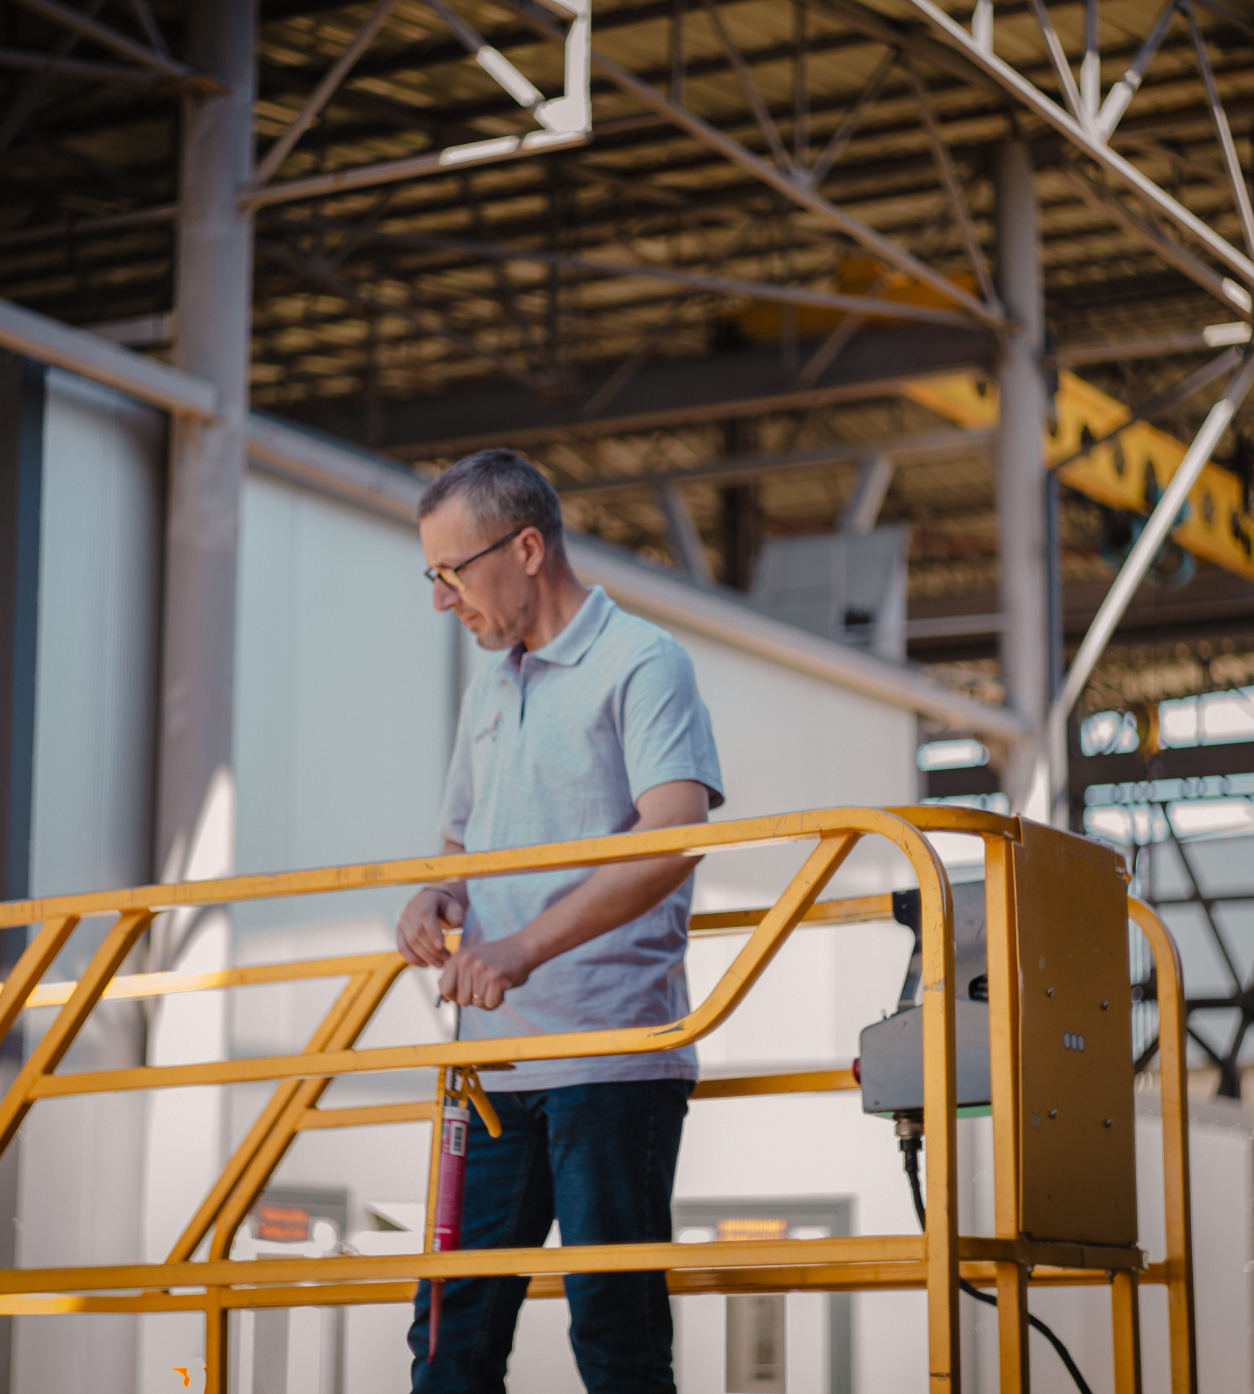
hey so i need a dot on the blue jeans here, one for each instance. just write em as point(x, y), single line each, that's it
point(600, 1158)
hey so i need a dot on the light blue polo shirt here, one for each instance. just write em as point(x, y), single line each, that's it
point(559, 744)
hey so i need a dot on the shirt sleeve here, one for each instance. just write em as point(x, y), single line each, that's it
point(666, 729)
point(459, 790)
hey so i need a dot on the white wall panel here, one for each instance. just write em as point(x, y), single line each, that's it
point(343, 708)
point(100, 564)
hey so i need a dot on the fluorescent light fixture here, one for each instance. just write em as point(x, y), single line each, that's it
point(1212, 817)
point(497, 66)
point(1111, 823)
point(1221, 335)
point(952, 755)
point(1109, 733)
point(479, 150)
point(1216, 718)
point(1138, 823)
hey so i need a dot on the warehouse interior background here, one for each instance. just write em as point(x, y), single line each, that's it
point(862, 340)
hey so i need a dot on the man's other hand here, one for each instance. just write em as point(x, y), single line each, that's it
point(420, 933)
point(481, 976)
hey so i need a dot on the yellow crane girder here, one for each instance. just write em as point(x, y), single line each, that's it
point(1128, 471)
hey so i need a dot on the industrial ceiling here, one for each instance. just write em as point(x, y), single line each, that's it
point(727, 295)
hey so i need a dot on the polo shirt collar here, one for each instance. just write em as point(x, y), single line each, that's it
point(581, 633)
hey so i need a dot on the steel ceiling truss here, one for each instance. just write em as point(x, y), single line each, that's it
point(1089, 127)
point(789, 164)
point(562, 121)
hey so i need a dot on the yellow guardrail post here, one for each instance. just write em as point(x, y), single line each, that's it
point(1174, 1086)
point(1003, 1024)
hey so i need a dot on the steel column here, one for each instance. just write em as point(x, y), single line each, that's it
point(213, 301)
point(1021, 463)
point(195, 822)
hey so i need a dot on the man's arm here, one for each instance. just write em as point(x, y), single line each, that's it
point(610, 897)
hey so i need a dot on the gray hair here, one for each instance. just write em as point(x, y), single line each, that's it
point(503, 491)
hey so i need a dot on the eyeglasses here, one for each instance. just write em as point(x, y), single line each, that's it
point(448, 574)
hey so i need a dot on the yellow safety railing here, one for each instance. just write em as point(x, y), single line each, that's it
point(218, 1284)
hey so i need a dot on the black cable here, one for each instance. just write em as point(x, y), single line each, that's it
point(910, 1155)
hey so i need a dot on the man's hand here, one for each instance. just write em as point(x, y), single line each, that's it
point(481, 976)
point(420, 933)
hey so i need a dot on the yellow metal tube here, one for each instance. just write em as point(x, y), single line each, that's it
point(694, 840)
point(465, 1263)
point(1125, 1312)
point(1173, 1078)
point(752, 960)
point(365, 1116)
point(798, 1082)
point(1001, 940)
point(210, 1207)
point(34, 962)
point(852, 910)
point(843, 1277)
point(142, 985)
point(60, 1036)
point(940, 1120)
point(352, 1021)
point(433, 1163)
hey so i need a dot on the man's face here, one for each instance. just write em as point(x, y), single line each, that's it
point(497, 598)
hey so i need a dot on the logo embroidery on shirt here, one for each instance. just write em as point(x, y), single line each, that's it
point(489, 732)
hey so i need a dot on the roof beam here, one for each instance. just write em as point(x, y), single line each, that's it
point(27, 60)
point(78, 351)
point(741, 382)
point(722, 285)
point(914, 446)
point(161, 63)
point(1120, 95)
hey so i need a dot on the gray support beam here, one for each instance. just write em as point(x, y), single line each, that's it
point(749, 381)
point(682, 533)
point(213, 304)
point(79, 351)
point(874, 476)
point(918, 445)
point(1021, 465)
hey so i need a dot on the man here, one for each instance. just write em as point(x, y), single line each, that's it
point(588, 722)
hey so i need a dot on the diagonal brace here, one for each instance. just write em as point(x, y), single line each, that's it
point(949, 177)
point(303, 1095)
point(749, 88)
point(60, 1036)
point(339, 1029)
point(1236, 175)
point(320, 96)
